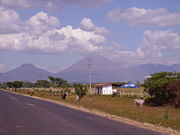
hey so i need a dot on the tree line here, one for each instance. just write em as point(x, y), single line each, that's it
point(52, 82)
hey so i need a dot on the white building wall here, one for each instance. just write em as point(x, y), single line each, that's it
point(107, 90)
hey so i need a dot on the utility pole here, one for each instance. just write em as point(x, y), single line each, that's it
point(89, 67)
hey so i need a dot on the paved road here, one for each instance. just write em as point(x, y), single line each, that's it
point(20, 115)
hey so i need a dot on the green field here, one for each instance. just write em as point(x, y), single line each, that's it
point(121, 106)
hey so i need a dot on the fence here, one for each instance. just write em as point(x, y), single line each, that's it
point(132, 92)
point(43, 89)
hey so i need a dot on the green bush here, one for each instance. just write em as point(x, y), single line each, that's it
point(80, 90)
point(114, 94)
point(164, 88)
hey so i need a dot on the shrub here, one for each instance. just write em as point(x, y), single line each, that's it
point(80, 90)
point(114, 94)
point(164, 88)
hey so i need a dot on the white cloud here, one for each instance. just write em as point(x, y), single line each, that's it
point(161, 40)
point(87, 25)
point(9, 21)
point(156, 44)
point(79, 38)
point(42, 33)
point(51, 4)
point(41, 22)
point(156, 47)
point(140, 16)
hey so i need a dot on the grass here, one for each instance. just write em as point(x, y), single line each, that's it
point(121, 106)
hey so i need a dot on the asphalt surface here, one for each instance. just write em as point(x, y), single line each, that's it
point(21, 115)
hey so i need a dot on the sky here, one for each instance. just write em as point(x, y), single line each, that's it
point(54, 34)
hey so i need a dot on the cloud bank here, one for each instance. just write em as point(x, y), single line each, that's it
point(152, 49)
point(140, 16)
point(50, 4)
point(42, 33)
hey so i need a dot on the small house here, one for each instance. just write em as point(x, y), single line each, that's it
point(103, 88)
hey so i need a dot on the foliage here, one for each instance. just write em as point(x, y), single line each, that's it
point(114, 94)
point(54, 82)
point(166, 116)
point(58, 82)
point(139, 84)
point(43, 83)
point(174, 87)
point(80, 90)
point(66, 88)
point(28, 85)
point(163, 88)
point(3, 85)
point(14, 84)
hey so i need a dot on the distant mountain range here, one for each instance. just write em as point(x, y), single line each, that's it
point(139, 72)
point(102, 70)
point(26, 72)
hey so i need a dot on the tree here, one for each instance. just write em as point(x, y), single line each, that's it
point(161, 87)
point(14, 84)
point(3, 85)
point(28, 84)
point(43, 83)
point(10, 84)
point(174, 87)
point(139, 84)
point(57, 82)
point(80, 90)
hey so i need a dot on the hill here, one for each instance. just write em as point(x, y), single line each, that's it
point(102, 70)
point(26, 72)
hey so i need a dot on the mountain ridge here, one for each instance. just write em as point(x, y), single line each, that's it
point(25, 72)
point(102, 70)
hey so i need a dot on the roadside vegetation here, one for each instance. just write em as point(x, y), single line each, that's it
point(164, 89)
point(161, 104)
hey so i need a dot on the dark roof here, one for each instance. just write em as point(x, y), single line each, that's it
point(101, 84)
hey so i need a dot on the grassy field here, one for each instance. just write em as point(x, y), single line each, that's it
point(121, 106)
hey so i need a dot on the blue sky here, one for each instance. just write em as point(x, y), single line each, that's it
point(55, 34)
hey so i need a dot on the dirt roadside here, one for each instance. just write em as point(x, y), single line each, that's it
point(167, 131)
